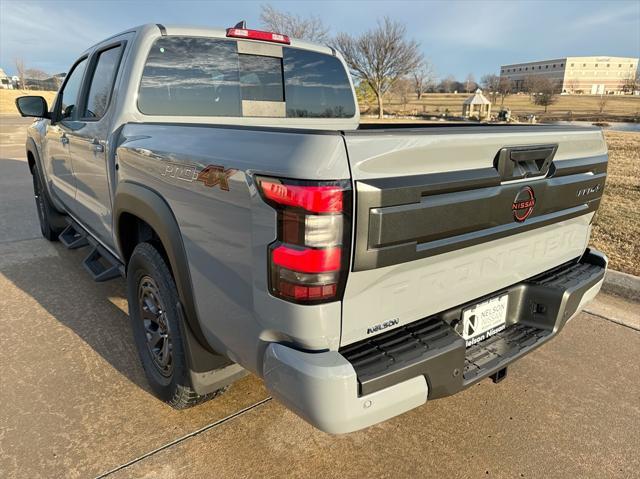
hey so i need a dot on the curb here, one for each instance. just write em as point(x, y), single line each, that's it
point(622, 284)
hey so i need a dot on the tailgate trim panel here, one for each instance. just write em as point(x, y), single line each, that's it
point(403, 219)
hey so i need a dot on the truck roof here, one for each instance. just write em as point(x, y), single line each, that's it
point(210, 32)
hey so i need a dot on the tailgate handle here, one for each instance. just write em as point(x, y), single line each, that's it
point(517, 162)
point(537, 154)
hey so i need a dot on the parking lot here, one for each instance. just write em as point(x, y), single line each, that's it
point(74, 401)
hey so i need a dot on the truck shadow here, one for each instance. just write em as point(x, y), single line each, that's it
point(95, 312)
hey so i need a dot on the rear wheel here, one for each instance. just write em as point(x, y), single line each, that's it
point(46, 212)
point(153, 299)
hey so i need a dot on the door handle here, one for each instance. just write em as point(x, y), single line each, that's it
point(97, 146)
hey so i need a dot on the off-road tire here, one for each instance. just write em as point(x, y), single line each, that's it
point(47, 214)
point(148, 276)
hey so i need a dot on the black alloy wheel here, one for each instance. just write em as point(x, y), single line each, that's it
point(156, 326)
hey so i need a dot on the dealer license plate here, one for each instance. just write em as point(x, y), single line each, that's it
point(485, 319)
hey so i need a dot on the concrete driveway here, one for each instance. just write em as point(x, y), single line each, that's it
point(74, 401)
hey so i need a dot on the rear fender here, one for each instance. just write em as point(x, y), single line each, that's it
point(150, 207)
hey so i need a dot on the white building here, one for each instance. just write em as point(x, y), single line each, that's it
point(5, 82)
point(590, 75)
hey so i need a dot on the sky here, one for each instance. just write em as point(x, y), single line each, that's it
point(456, 37)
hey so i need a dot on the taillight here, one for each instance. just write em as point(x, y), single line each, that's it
point(258, 35)
point(309, 259)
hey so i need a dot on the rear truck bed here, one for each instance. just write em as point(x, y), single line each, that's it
point(447, 220)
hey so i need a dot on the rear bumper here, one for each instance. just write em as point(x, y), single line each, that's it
point(389, 374)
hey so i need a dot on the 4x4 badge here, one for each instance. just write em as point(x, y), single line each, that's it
point(216, 175)
point(523, 204)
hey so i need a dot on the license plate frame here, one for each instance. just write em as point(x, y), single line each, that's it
point(484, 319)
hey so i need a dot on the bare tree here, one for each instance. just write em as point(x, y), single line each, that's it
point(423, 79)
point(572, 85)
point(470, 83)
point(380, 56)
point(602, 102)
point(35, 79)
point(401, 89)
point(532, 85)
point(19, 62)
point(546, 92)
point(306, 28)
point(365, 95)
point(447, 85)
point(35, 74)
point(491, 83)
point(505, 87)
point(632, 82)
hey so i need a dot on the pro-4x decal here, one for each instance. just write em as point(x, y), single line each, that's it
point(214, 175)
point(211, 175)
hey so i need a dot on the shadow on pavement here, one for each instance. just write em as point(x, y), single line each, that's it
point(93, 311)
point(18, 219)
point(59, 283)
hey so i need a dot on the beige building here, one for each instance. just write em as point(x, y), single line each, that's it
point(588, 75)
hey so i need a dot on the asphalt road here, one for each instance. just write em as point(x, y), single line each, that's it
point(74, 402)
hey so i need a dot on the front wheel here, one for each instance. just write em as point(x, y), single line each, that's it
point(46, 212)
point(153, 298)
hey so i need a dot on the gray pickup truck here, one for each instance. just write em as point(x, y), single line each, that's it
point(360, 270)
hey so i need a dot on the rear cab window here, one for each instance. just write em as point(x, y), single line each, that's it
point(102, 81)
point(261, 78)
point(196, 76)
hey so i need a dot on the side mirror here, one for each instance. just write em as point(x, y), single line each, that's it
point(35, 106)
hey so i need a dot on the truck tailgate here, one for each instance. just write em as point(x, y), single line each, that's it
point(447, 215)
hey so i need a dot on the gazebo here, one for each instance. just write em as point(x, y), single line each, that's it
point(476, 105)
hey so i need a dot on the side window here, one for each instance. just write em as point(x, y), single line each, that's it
point(102, 83)
point(71, 89)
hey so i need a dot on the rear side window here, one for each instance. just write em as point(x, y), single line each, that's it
point(102, 82)
point(187, 76)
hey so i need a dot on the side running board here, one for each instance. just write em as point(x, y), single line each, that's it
point(100, 263)
point(73, 237)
